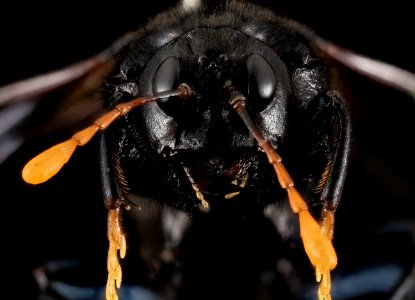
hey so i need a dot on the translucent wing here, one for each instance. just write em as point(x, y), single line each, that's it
point(53, 101)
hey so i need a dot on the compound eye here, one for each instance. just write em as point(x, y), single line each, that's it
point(262, 82)
point(167, 78)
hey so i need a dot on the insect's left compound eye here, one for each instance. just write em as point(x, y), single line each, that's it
point(167, 78)
point(262, 81)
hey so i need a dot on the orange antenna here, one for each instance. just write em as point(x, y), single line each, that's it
point(48, 163)
point(316, 239)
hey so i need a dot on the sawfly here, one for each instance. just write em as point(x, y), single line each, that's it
point(221, 137)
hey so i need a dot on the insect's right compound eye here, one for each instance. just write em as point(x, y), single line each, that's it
point(262, 81)
point(167, 78)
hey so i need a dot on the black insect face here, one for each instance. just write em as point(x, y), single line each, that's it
point(200, 143)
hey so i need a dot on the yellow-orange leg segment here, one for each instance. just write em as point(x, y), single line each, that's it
point(316, 239)
point(117, 249)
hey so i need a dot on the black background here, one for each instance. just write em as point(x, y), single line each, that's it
point(40, 37)
point(66, 218)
